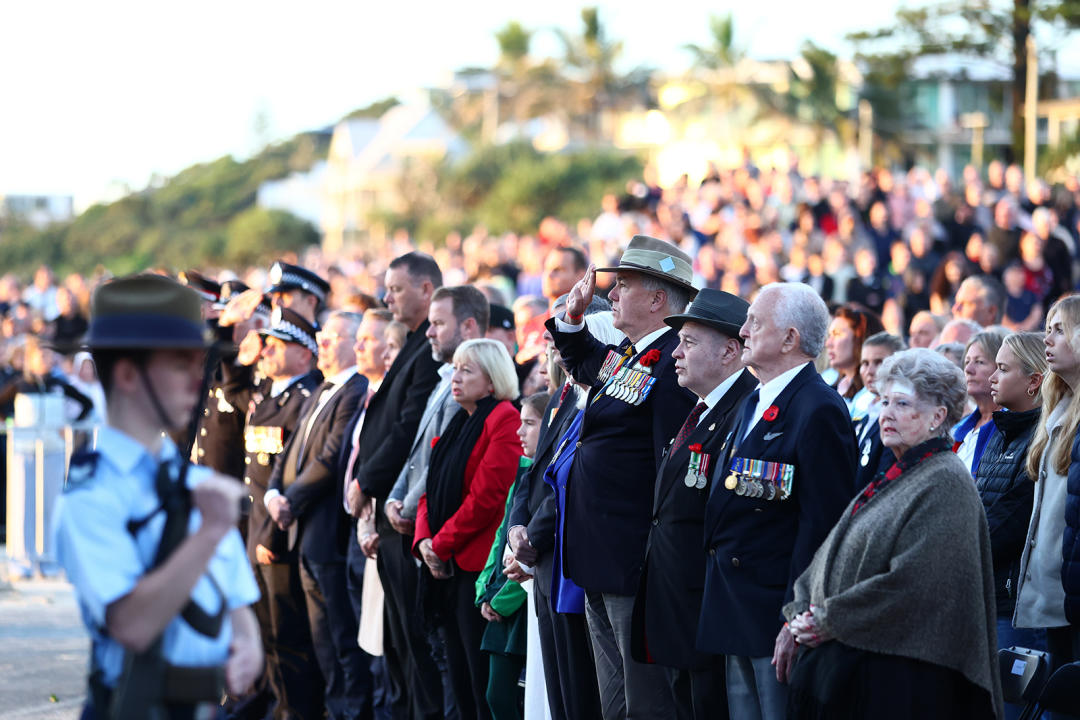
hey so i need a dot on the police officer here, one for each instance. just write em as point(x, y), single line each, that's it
point(149, 542)
point(287, 361)
point(297, 288)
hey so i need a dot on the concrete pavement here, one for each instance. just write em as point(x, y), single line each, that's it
point(43, 650)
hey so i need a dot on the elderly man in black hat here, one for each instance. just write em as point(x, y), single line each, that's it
point(150, 542)
point(708, 361)
point(634, 408)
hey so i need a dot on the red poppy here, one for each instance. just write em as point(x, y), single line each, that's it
point(434, 440)
point(770, 413)
point(649, 358)
point(695, 448)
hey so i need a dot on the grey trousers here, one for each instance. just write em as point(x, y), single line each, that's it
point(629, 690)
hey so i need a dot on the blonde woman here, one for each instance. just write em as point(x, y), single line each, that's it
point(1040, 598)
point(1006, 490)
point(473, 465)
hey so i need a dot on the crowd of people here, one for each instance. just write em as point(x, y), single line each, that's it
point(768, 446)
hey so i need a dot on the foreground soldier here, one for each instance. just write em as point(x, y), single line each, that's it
point(150, 542)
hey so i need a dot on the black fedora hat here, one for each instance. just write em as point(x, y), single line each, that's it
point(146, 311)
point(717, 309)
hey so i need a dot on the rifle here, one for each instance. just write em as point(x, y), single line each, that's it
point(148, 684)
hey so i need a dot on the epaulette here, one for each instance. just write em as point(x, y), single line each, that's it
point(81, 469)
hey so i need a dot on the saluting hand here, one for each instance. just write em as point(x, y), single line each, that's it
point(581, 295)
point(240, 308)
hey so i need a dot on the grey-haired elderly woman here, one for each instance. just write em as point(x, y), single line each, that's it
point(895, 614)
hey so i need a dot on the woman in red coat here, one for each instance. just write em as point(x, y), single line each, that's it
point(472, 467)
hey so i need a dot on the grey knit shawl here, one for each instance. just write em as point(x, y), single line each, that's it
point(911, 574)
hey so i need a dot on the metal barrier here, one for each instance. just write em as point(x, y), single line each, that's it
point(39, 449)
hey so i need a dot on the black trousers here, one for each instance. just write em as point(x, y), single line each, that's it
point(345, 667)
point(418, 691)
point(569, 671)
point(463, 632)
point(291, 669)
point(700, 694)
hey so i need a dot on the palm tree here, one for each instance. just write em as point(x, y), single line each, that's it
point(592, 55)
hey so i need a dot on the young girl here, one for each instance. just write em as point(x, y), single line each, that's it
point(502, 602)
point(1041, 598)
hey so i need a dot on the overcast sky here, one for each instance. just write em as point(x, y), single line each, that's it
point(102, 94)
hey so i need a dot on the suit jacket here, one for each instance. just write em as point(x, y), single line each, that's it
point(757, 548)
point(610, 494)
point(315, 494)
point(467, 535)
point(440, 409)
point(873, 456)
point(269, 427)
point(669, 598)
point(219, 441)
point(393, 414)
point(534, 500)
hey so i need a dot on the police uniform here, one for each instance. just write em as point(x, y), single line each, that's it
point(291, 671)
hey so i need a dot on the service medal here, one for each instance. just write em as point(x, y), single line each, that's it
point(731, 482)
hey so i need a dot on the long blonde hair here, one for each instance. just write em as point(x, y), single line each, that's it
point(1054, 391)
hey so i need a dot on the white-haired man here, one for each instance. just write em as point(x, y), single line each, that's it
point(789, 472)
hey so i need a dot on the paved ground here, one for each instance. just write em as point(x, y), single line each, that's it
point(43, 650)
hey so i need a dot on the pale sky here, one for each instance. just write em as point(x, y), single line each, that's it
point(101, 94)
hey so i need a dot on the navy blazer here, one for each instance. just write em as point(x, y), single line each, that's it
point(669, 598)
point(757, 548)
point(315, 495)
point(534, 503)
point(610, 493)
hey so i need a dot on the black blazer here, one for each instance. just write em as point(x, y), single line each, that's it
point(872, 457)
point(610, 494)
point(266, 435)
point(316, 494)
point(534, 500)
point(392, 417)
point(669, 597)
point(757, 548)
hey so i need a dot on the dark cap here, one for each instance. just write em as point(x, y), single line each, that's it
point(284, 277)
point(208, 289)
point(719, 310)
point(501, 317)
point(658, 258)
point(290, 326)
point(146, 311)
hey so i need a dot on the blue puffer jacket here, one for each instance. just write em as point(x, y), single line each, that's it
point(1070, 547)
point(1007, 496)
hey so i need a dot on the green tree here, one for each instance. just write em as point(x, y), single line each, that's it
point(256, 235)
point(721, 52)
point(995, 30)
point(591, 57)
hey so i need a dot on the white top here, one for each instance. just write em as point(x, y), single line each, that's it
point(718, 392)
point(1040, 596)
point(771, 390)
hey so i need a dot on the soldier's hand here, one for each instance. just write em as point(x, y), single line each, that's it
point(263, 556)
point(519, 543)
point(399, 522)
point(249, 348)
point(244, 665)
point(581, 295)
point(217, 498)
point(240, 307)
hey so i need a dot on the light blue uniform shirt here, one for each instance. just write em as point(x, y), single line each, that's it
point(104, 561)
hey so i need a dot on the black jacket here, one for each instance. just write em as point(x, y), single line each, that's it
point(1007, 494)
point(668, 602)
